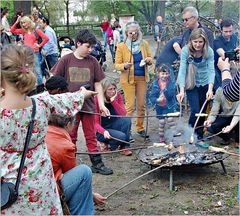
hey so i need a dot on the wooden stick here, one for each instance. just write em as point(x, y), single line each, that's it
point(125, 185)
point(221, 150)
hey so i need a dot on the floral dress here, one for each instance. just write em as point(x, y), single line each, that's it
point(38, 193)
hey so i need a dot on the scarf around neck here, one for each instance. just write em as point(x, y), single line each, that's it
point(135, 45)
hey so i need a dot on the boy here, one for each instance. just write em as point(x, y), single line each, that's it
point(78, 69)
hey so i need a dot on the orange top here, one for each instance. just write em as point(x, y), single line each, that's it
point(61, 149)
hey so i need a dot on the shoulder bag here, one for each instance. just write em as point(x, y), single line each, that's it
point(9, 191)
point(190, 80)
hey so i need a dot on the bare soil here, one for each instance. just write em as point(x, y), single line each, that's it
point(197, 191)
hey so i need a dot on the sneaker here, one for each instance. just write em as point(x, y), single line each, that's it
point(126, 152)
point(143, 134)
point(131, 140)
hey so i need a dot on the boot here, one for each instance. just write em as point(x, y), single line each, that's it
point(98, 166)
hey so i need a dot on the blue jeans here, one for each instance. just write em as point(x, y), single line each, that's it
point(111, 47)
point(196, 98)
point(77, 187)
point(105, 38)
point(119, 129)
point(52, 60)
point(38, 69)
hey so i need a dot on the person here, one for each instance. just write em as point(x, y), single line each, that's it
point(190, 21)
point(158, 29)
point(227, 41)
point(163, 96)
point(4, 21)
point(35, 16)
point(230, 85)
point(50, 49)
point(19, 38)
point(31, 35)
point(80, 68)
point(110, 42)
point(229, 122)
point(112, 20)
point(104, 26)
point(199, 53)
point(113, 127)
point(56, 85)
point(119, 29)
point(74, 180)
point(134, 76)
point(37, 192)
point(5, 39)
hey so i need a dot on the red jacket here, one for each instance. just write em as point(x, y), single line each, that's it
point(104, 25)
point(61, 149)
point(117, 104)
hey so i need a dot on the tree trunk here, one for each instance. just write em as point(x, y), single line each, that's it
point(25, 6)
point(67, 11)
point(161, 9)
point(218, 9)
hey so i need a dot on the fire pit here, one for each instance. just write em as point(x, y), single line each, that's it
point(179, 153)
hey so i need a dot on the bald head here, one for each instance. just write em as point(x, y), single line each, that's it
point(159, 19)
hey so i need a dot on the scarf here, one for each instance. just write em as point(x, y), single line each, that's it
point(135, 45)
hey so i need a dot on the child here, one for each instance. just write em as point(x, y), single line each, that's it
point(37, 192)
point(163, 95)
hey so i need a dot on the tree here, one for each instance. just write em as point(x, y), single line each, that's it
point(25, 6)
point(218, 9)
point(66, 2)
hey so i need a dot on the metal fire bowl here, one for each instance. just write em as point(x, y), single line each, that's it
point(193, 156)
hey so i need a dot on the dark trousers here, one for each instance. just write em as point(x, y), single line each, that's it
point(222, 122)
point(120, 129)
point(196, 98)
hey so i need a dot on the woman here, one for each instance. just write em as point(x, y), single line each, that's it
point(104, 26)
point(198, 52)
point(134, 77)
point(4, 21)
point(74, 180)
point(31, 36)
point(37, 190)
point(113, 127)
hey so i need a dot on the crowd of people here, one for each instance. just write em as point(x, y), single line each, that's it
point(78, 91)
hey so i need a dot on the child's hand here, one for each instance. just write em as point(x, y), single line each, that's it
point(87, 93)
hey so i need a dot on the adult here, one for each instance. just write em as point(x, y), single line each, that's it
point(104, 26)
point(229, 122)
point(134, 77)
point(227, 41)
point(50, 49)
point(31, 35)
point(4, 21)
point(18, 13)
point(199, 53)
point(112, 20)
point(158, 29)
point(113, 127)
point(80, 68)
point(74, 180)
point(190, 21)
point(37, 190)
point(110, 42)
point(231, 87)
point(5, 39)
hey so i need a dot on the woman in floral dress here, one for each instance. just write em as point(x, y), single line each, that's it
point(37, 190)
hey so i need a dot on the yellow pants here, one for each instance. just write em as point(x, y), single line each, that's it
point(137, 91)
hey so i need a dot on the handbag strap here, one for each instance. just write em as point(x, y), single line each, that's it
point(28, 137)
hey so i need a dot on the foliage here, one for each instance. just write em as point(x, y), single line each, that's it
point(8, 4)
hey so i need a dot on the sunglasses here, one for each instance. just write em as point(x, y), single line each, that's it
point(133, 33)
point(186, 19)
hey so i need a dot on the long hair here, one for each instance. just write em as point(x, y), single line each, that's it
point(17, 67)
point(197, 33)
point(27, 20)
point(105, 84)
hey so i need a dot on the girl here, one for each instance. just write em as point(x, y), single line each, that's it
point(163, 96)
point(37, 191)
point(31, 36)
point(115, 127)
point(198, 52)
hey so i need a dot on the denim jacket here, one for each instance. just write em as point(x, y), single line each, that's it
point(205, 73)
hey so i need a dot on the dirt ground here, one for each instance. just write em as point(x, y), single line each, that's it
point(197, 191)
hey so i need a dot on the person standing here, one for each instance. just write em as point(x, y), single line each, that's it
point(132, 58)
point(50, 49)
point(4, 21)
point(80, 68)
point(227, 41)
point(197, 52)
point(190, 21)
point(158, 29)
point(104, 26)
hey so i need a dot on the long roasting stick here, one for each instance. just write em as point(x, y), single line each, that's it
point(221, 150)
point(128, 183)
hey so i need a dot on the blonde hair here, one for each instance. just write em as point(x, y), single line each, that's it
point(27, 20)
point(197, 33)
point(105, 84)
point(17, 67)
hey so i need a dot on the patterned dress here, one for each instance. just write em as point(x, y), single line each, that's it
point(38, 193)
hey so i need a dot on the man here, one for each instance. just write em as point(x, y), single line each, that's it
point(190, 21)
point(50, 49)
point(227, 41)
point(78, 69)
point(158, 28)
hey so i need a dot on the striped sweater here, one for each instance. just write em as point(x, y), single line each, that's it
point(231, 88)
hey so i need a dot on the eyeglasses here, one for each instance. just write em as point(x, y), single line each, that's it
point(133, 33)
point(186, 19)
